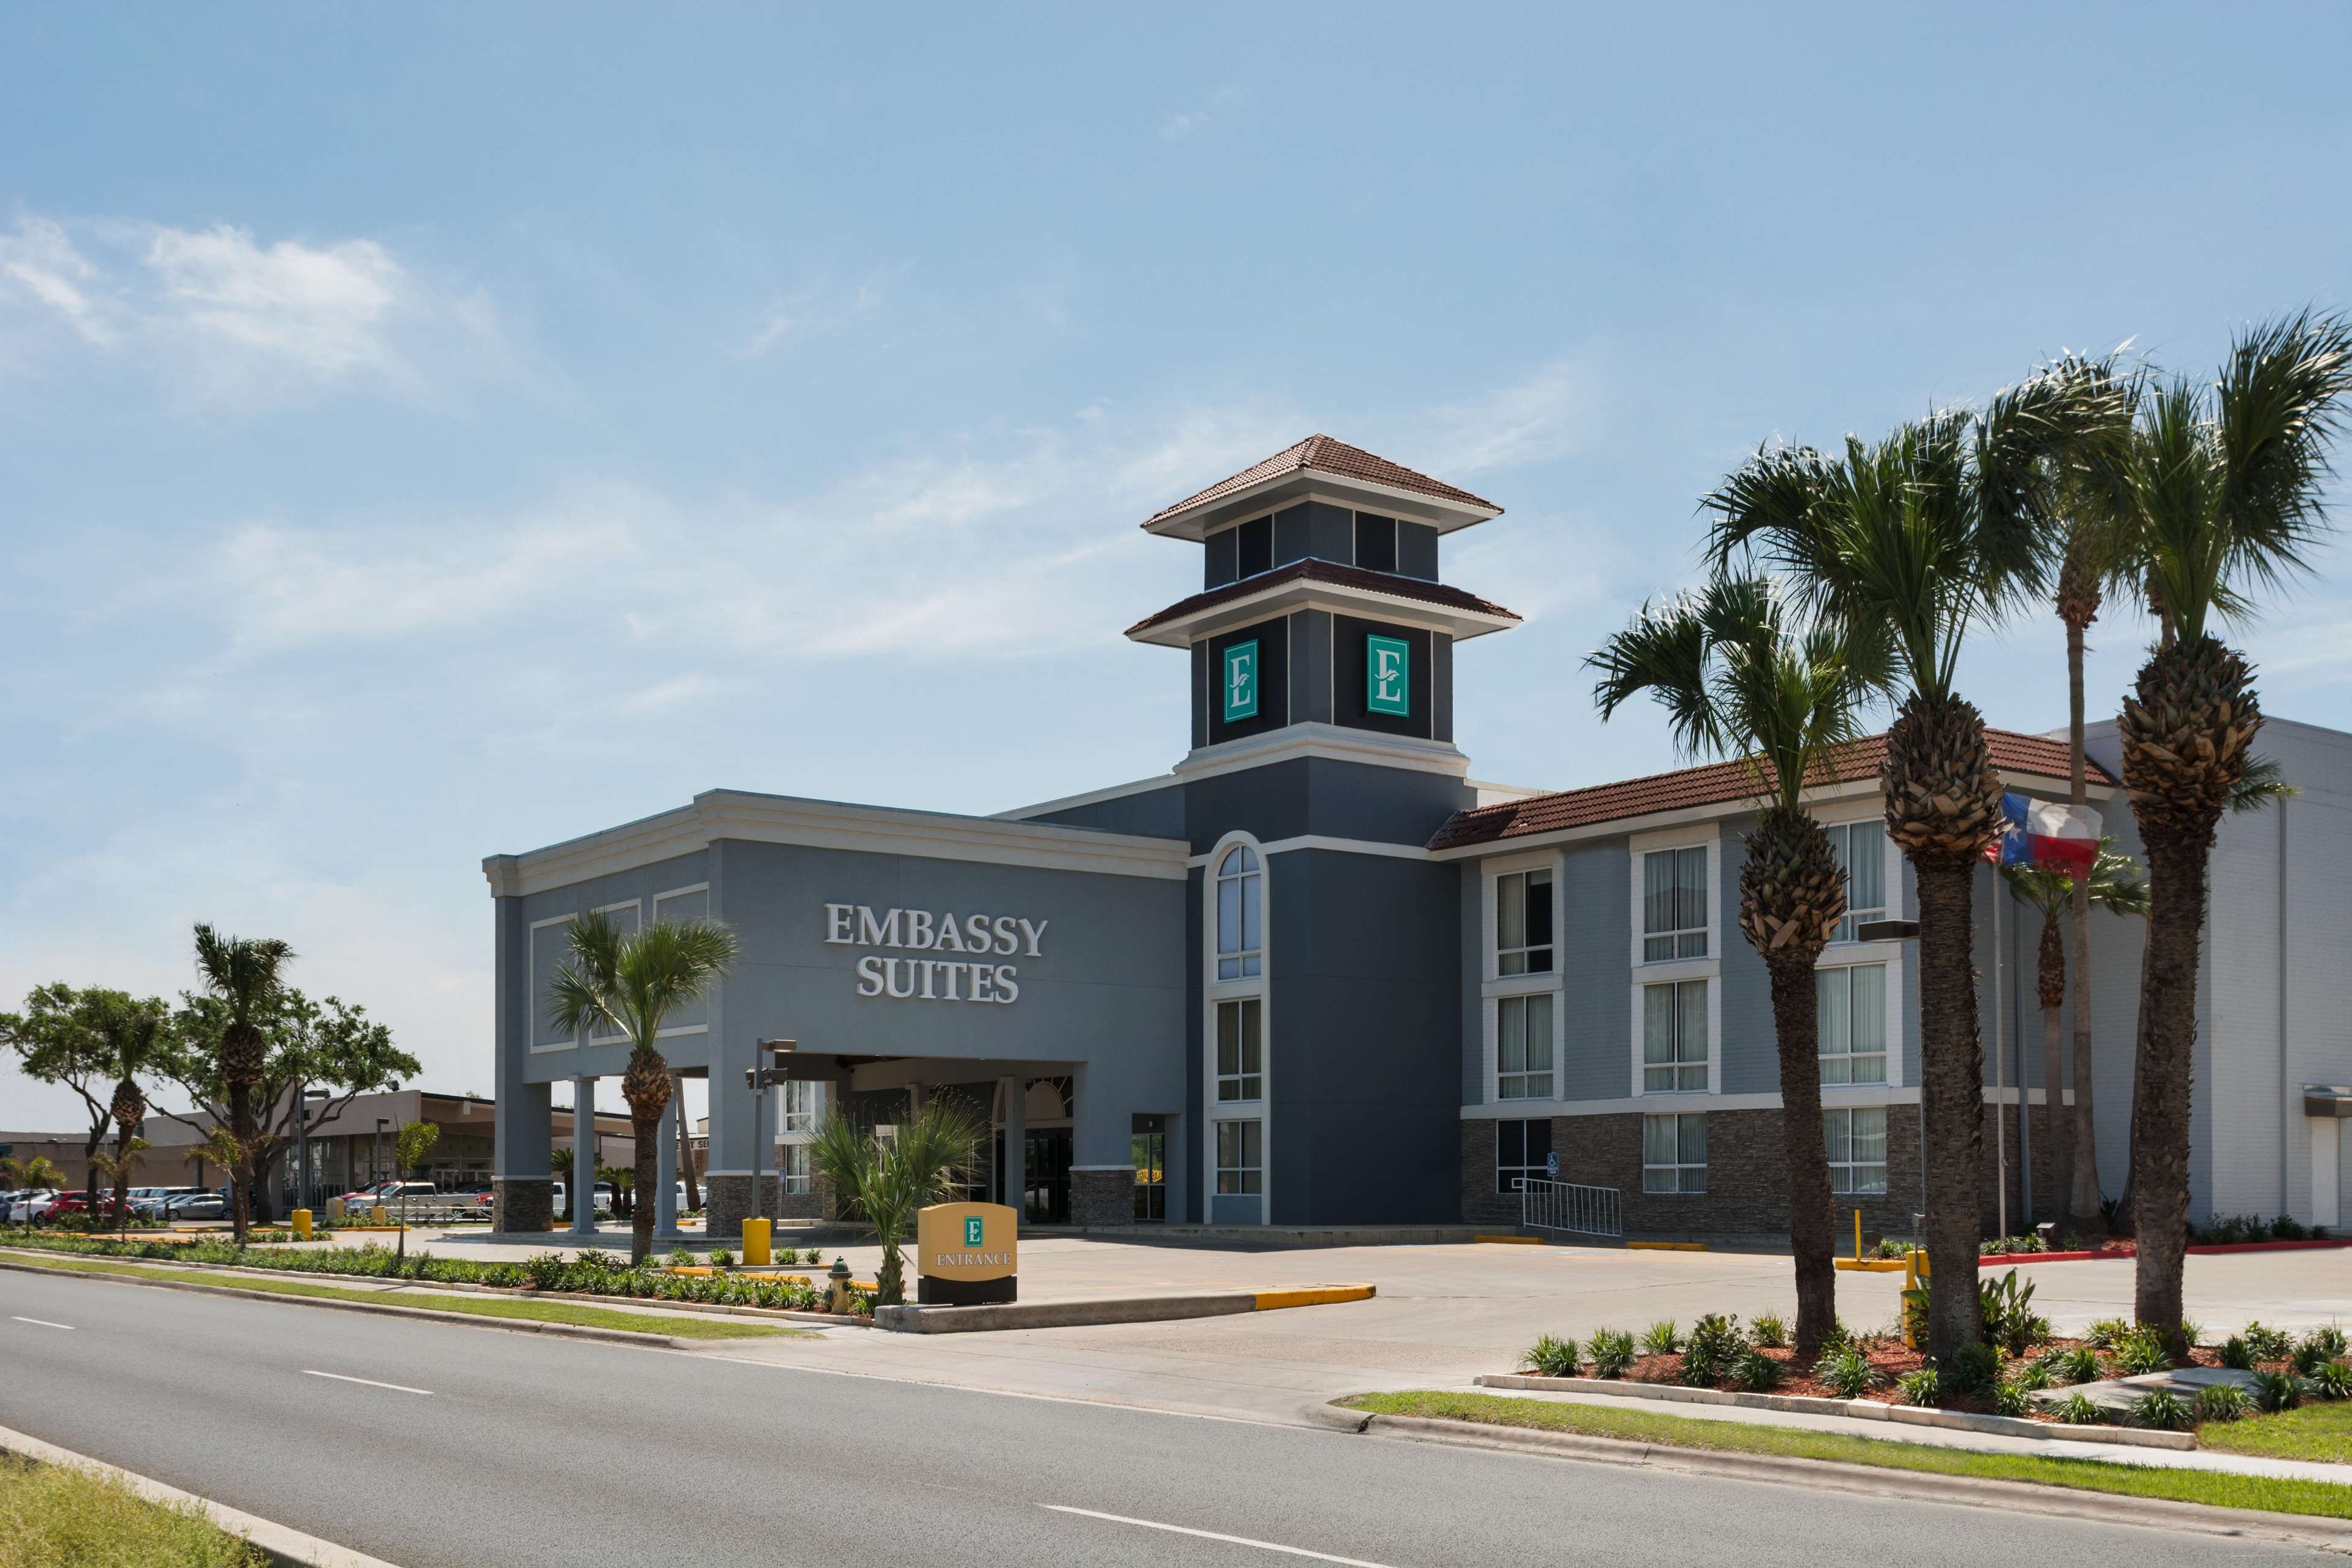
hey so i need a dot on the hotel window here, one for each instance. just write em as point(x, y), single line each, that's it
point(1673, 1038)
point(1376, 543)
point(793, 1164)
point(1522, 1154)
point(1674, 1153)
point(799, 1106)
point(1523, 1046)
point(1241, 1158)
point(1240, 1053)
point(1239, 945)
point(1861, 850)
point(1857, 1141)
point(1254, 546)
point(1673, 904)
point(1523, 923)
point(1852, 1023)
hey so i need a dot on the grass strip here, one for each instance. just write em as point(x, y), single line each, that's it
point(2213, 1487)
point(2318, 1432)
point(681, 1327)
point(55, 1517)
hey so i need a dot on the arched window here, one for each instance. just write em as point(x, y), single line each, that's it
point(1239, 945)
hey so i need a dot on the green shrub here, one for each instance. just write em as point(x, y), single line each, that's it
point(722, 1257)
point(1551, 1357)
point(2005, 1309)
point(2221, 1402)
point(1612, 1351)
point(2192, 1332)
point(1663, 1339)
point(1895, 1246)
point(2008, 1397)
point(812, 1255)
point(2076, 1411)
point(2268, 1343)
point(2332, 1380)
point(2276, 1391)
point(1848, 1372)
point(546, 1270)
point(1714, 1347)
point(2078, 1364)
point(2308, 1358)
point(1755, 1371)
point(1921, 1387)
point(2103, 1334)
point(1971, 1369)
point(681, 1258)
point(2141, 1351)
point(2031, 1376)
point(1838, 1336)
point(2330, 1341)
point(1770, 1330)
point(2236, 1353)
point(2286, 1227)
point(2160, 1410)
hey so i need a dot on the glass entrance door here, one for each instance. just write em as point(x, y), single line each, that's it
point(1149, 1143)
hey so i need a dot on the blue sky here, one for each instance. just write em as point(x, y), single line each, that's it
point(443, 430)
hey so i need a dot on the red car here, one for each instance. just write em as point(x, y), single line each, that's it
point(85, 1202)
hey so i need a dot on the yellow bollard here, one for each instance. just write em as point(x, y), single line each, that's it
point(755, 1244)
point(377, 1217)
point(302, 1225)
point(1857, 1236)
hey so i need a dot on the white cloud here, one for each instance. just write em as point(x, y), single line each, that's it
point(1187, 122)
point(230, 323)
point(1533, 421)
point(808, 313)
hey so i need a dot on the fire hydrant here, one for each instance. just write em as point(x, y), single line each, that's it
point(839, 1278)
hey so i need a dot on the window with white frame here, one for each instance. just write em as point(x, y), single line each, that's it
point(1523, 1046)
point(1241, 1158)
point(1853, 1023)
point(1240, 949)
point(1674, 1153)
point(1523, 923)
point(1241, 1050)
point(1673, 904)
point(1522, 1154)
point(800, 1105)
point(1857, 1142)
point(1675, 1038)
point(1861, 849)
point(792, 1166)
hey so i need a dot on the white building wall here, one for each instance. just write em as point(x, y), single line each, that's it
point(2312, 835)
point(2240, 1069)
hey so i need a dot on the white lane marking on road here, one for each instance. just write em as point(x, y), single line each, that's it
point(395, 1387)
point(1212, 1535)
point(44, 1323)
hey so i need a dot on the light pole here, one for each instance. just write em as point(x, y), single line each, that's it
point(761, 1080)
point(375, 1154)
point(302, 1183)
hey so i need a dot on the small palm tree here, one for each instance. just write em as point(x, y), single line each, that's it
point(2226, 488)
point(411, 1147)
point(887, 1183)
point(2115, 884)
point(30, 1172)
point(1741, 679)
point(636, 984)
point(248, 975)
point(117, 1168)
point(1939, 528)
point(131, 1036)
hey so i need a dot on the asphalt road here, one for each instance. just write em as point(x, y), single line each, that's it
point(431, 1444)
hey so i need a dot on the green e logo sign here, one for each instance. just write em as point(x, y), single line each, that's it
point(1388, 675)
point(971, 1230)
point(1241, 680)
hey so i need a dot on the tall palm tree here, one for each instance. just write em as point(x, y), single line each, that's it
point(1741, 678)
point(887, 1183)
point(2226, 486)
point(636, 984)
point(2115, 884)
point(248, 976)
point(1937, 529)
point(132, 1036)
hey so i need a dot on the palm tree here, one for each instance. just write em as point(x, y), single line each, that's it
point(411, 1147)
point(2115, 884)
point(131, 1036)
point(247, 975)
point(2226, 488)
point(30, 1174)
point(1740, 677)
point(117, 1168)
point(887, 1183)
point(1934, 530)
point(635, 984)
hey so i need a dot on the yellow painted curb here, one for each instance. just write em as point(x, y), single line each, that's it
point(1872, 1264)
point(1511, 1240)
point(1665, 1246)
point(1314, 1296)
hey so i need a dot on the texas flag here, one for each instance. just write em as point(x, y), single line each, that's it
point(2047, 833)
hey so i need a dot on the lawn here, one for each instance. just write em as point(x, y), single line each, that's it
point(2322, 1432)
point(683, 1326)
point(2211, 1488)
point(57, 1517)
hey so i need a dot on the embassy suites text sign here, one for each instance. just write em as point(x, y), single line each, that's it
point(969, 977)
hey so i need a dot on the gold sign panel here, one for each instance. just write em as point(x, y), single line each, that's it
point(967, 1241)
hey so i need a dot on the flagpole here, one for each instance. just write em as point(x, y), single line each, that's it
point(2000, 1052)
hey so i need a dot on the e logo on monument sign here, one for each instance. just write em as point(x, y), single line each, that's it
point(1388, 675)
point(966, 1255)
point(1241, 680)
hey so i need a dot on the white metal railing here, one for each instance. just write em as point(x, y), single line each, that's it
point(1563, 1205)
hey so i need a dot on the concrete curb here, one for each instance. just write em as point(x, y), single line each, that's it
point(1851, 1409)
point(470, 1319)
point(2017, 1497)
point(283, 1546)
point(1081, 1312)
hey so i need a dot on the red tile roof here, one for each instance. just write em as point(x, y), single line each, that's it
point(1714, 784)
point(1327, 455)
point(1313, 571)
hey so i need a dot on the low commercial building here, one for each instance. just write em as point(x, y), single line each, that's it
point(1315, 974)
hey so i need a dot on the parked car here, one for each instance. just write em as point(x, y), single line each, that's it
point(9, 1202)
point(36, 1208)
point(367, 1197)
point(150, 1202)
point(85, 1202)
point(197, 1205)
point(602, 1199)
